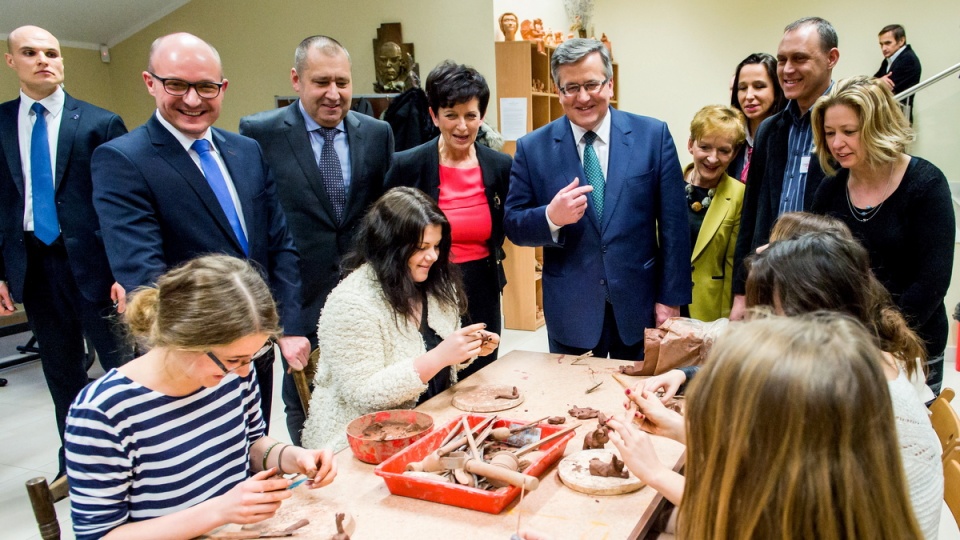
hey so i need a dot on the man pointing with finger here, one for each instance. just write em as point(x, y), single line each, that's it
point(602, 191)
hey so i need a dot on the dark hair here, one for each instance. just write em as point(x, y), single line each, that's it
point(770, 64)
point(823, 271)
point(450, 84)
point(898, 31)
point(828, 34)
point(388, 236)
point(326, 44)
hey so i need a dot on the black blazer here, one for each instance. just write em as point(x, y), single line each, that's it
point(419, 167)
point(320, 239)
point(761, 202)
point(157, 211)
point(83, 127)
point(905, 71)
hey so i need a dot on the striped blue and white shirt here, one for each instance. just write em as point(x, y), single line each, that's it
point(135, 454)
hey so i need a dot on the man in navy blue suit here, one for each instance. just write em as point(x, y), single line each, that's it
point(52, 258)
point(176, 188)
point(602, 191)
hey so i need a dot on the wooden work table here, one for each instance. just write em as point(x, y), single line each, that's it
point(550, 386)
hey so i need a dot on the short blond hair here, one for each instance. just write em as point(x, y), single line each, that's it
point(719, 120)
point(885, 132)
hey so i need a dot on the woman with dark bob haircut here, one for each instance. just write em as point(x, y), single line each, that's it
point(897, 205)
point(757, 94)
point(390, 332)
point(469, 182)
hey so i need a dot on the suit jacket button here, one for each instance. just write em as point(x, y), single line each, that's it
point(603, 282)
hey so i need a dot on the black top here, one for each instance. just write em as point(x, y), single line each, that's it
point(695, 217)
point(910, 240)
point(440, 381)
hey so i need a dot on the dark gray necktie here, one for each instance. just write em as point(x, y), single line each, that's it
point(332, 173)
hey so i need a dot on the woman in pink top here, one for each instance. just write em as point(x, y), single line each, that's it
point(469, 182)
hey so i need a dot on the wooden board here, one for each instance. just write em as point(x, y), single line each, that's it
point(574, 471)
point(306, 504)
point(482, 399)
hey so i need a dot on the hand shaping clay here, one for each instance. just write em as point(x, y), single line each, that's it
point(342, 535)
point(513, 395)
point(583, 413)
point(632, 370)
point(613, 469)
point(554, 420)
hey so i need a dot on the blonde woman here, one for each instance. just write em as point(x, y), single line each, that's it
point(897, 205)
point(778, 445)
point(173, 441)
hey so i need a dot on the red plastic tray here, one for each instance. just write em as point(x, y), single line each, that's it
point(491, 502)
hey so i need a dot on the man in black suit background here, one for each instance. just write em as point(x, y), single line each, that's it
point(900, 68)
point(176, 188)
point(324, 188)
point(52, 256)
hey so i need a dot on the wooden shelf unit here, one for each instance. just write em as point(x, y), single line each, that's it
point(519, 64)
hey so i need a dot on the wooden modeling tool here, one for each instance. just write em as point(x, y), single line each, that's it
point(548, 438)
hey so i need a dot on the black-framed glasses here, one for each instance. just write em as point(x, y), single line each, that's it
point(592, 87)
point(180, 87)
point(263, 351)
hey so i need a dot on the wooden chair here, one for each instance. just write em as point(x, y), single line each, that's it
point(303, 378)
point(951, 482)
point(42, 497)
point(945, 420)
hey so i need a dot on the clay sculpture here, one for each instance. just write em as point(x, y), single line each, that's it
point(614, 469)
point(554, 420)
point(597, 438)
point(583, 413)
point(513, 395)
point(342, 535)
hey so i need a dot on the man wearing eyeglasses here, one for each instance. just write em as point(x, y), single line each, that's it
point(602, 191)
point(176, 188)
point(51, 256)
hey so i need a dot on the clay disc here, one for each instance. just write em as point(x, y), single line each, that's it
point(484, 398)
point(574, 471)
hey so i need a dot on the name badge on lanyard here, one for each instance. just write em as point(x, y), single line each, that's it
point(804, 164)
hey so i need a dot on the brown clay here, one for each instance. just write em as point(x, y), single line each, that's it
point(514, 395)
point(583, 413)
point(388, 431)
point(554, 420)
point(341, 534)
point(632, 370)
point(599, 437)
point(614, 469)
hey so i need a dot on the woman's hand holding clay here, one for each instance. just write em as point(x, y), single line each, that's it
point(461, 345)
point(318, 465)
point(636, 450)
point(490, 342)
point(657, 419)
point(668, 383)
point(254, 499)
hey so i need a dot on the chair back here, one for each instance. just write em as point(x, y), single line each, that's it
point(42, 497)
point(945, 420)
point(304, 378)
point(951, 482)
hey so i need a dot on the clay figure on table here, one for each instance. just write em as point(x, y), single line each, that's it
point(205, 460)
point(599, 437)
point(509, 25)
point(341, 534)
point(614, 469)
point(390, 332)
point(583, 413)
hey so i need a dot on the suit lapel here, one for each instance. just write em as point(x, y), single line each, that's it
point(299, 140)
point(69, 122)
point(358, 174)
point(10, 140)
point(246, 190)
point(566, 156)
point(621, 141)
point(169, 148)
point(715, 215)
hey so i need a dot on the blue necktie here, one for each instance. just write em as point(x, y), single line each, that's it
point(591, 167)
point(211, 170)
point(46, 226)
point(332, 173)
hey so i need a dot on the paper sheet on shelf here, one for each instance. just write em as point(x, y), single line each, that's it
point(513, 118)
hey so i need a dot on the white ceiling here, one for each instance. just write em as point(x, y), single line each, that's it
point(85, 23)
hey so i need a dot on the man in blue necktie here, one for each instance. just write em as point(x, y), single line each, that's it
point(176, 188)
point(52, 258)
point(602, 191)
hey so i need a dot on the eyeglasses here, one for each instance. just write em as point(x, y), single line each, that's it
point(592, 87)
point(179, 87)
point(267, 348)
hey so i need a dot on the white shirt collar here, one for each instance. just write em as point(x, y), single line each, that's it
point(312, 124)
point(894, 56)
point(184, 140)
point(52, 103)
point(602, 131)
